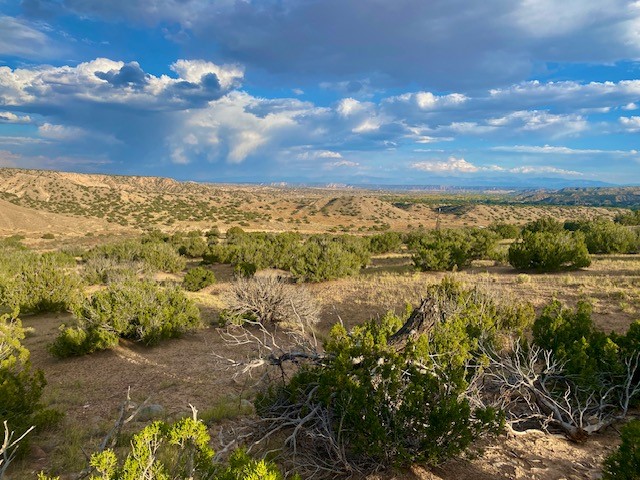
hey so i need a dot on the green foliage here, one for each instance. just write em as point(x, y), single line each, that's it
point(398, 406)
point(245, 269)
point(385, 242)
point(549, 250)
point(544, 224)
point(473, 316)
point(589, 355)
point(326, 258)
point(20, 386)
point(198, 278)
point(608, 237)
point(390, 407)
point(140, 311)
point(190, 244)
point(40, 284)
point(450, 249)
point(181, 450)
point(161, 451)
point(624, 463)
point(103, 270)
point(505, 230)
point(242, 467)
point(628, 218)
point(157, 255)
point(318, 258)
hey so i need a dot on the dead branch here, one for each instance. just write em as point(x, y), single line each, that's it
point(534, 386)
point(9, 447)
point(109, 441)
point(421, 321)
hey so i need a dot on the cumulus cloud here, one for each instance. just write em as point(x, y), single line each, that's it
point(630, 124)
point(106, 81)
point(451, 165)
point(535, 120)
point(319, 154)
point(10, 117)
point(460, 165)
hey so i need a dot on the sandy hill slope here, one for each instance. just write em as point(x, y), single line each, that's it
point(15, 219)
point(141, 203)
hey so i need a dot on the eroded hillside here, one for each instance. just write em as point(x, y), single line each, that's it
point(135, 203)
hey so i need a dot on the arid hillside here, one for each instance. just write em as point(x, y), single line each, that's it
point(97, 203)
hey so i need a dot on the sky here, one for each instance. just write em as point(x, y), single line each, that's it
point(324, 91)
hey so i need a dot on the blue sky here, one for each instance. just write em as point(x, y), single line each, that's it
point(348, 91)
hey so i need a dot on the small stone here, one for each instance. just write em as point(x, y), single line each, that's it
point(150, 412)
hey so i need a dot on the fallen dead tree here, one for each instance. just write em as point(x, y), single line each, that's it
point(393, 391)
point(534, 386)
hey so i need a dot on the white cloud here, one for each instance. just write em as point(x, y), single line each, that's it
point(630, 106)
point(10, 117)
point(193, 71)
point(104, 81)
point(451, 165)
point(342, 163)
point(630, 124)
point(318, 154)
point(228, 127)
point(460, 165)
point(543, 169)
point(428, 101)
point(22, 39)
point(560, 150)
point(349, 106)
point(61, 132)
point(568, 94)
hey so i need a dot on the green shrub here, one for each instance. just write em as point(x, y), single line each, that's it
point(140, 311)
point(589, 355)
point(198, 278)
point(177, 451)
point(505, 230)
point(189, 244)
point(102, 270)
point(624, 463)
point(81, 340)
point(609, 237)
point(41, 285)
point(628, 218)
point(325, 258)
point(20, 386)
point(544, 224)
point(452, 249)
point(163, 257)
point(549, 251)
point(245, 269)
point(48, 236)
point(388, 405)
point(157, 255)
point(385, 242)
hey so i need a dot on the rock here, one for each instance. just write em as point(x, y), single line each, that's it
point(150, 412)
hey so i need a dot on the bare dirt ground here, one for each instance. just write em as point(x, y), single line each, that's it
point(18, 220)
point(191, 370)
